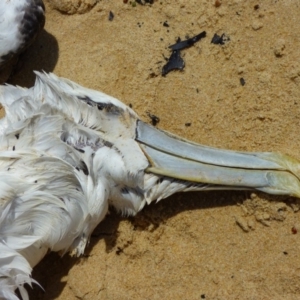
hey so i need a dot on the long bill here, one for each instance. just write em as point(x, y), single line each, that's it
point(174, 157)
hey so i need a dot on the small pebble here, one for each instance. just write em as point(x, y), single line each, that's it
point(256, 25)
point(242, 223)
point(279, 48)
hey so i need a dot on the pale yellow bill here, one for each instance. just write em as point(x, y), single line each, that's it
point(174, 157)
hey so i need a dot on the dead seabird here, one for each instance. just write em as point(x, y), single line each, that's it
point(67, 153)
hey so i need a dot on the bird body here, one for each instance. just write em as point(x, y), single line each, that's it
point(67, 153)
point(20, 23)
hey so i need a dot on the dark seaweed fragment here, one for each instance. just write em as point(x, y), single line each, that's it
point(175, 62)
point(189, 42)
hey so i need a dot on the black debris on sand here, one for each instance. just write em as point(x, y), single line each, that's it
point(154, 118)
point(111, 16)
point(189, 42)
point(220, 40)
point(143, 2)
point(176, 62)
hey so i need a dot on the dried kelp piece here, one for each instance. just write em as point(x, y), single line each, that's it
point(189, 42)
point(175, 62)
point(220, 40)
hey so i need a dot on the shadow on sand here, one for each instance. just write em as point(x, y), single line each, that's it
point(42, 55)
point(51, 271)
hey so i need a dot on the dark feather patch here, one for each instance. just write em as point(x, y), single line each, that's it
point(79, 150)
point(124, 190)
point(108, 144)
point(32, 23)
point(108, 107)
point(87, 100)
point(136, 190)
point(30, 19)
point(84, 168)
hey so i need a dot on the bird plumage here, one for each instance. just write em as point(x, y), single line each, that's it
point(20, 23)
point(66, 154)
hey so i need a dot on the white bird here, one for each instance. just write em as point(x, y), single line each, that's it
point(67, 153)
point(20, 23)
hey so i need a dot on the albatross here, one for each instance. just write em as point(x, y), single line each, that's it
point(67, 153)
